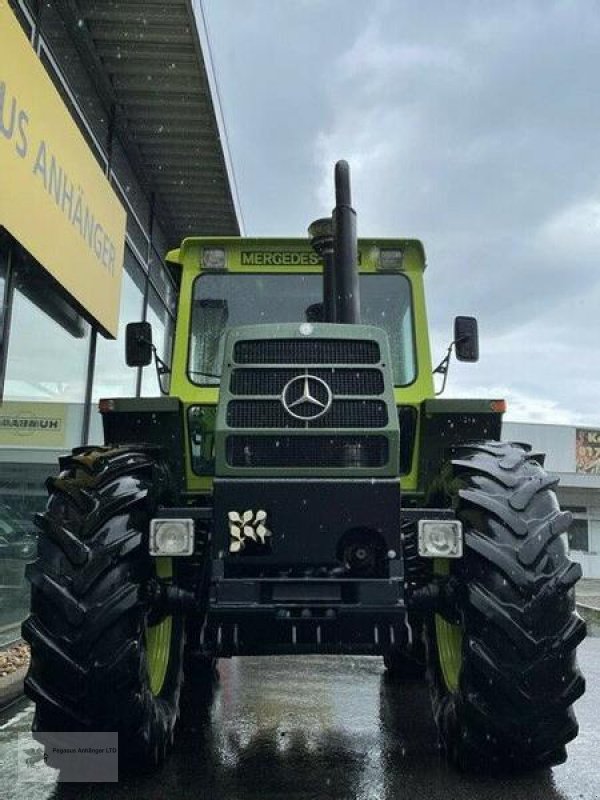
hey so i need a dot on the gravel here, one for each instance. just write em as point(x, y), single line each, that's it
point(13, 659)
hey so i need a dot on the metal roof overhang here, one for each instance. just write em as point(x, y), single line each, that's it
point(148, 63)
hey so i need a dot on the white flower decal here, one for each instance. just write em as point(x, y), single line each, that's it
point(247, 525)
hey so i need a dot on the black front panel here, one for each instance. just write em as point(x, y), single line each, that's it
point(307, 519)
point(306, 451)
point(149, 420)
point(407, 418)
point(306, 351)
point(442, 431)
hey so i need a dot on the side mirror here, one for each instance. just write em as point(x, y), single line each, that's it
point(466, 339)
point(138, 344)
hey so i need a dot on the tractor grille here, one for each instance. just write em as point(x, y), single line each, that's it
point(363, 382)
point(307, 451)
point(267, 375)
point(342, 414)
point(306, 351)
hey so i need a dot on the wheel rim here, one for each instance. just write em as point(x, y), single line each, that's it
point(449, 647)
point(449, 639)
point(158, 638)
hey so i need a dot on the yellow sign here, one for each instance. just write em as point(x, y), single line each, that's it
point(32, 424)
point(54, 198)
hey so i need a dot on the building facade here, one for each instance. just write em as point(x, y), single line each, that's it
point(110, 154)
point(573, 455)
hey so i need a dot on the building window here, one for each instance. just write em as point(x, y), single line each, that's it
point(162, 336)
point(132, 196)
point(579, 537)
point(5, 246)
point(49, 341)
point(162, 282)
point(112, 376)
point(46, 364)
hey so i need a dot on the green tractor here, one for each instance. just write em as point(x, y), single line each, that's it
point(300, 489)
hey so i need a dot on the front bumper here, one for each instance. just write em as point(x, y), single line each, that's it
point(307, 615)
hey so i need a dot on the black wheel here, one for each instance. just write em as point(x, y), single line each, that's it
point(200, 671)
point(402, 667)
point(200, 684)
point(99, 661)
point(502, 664)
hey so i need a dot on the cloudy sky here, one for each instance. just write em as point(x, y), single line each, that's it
point(474, 126)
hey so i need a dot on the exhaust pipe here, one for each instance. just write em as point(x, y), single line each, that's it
point(345, 248)
point(335, 242)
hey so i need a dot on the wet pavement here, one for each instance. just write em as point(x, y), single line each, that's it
point(322, 727)
point(588, 592)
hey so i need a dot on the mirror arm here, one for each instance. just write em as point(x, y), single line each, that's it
point(443, 367)
point(162, 369)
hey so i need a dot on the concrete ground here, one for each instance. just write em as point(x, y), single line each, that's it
point(332, 722)
point(311, 728)
point(588, 592)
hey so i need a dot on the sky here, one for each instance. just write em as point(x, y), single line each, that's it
point(473, 126)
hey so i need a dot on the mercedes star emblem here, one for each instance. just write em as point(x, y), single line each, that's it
point(311, 389)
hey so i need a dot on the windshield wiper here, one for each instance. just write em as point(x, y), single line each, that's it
point(204, 374)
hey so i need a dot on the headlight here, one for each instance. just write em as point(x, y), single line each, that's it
point(440, 538)
point(171, 537)
point(214, 258)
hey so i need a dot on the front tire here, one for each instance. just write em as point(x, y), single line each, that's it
point(502, 665)
point(405, 667)
point(99, 662)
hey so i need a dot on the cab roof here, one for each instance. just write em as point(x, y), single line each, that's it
point(253, 254)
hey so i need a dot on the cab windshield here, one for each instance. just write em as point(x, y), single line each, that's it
point(224, 301)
